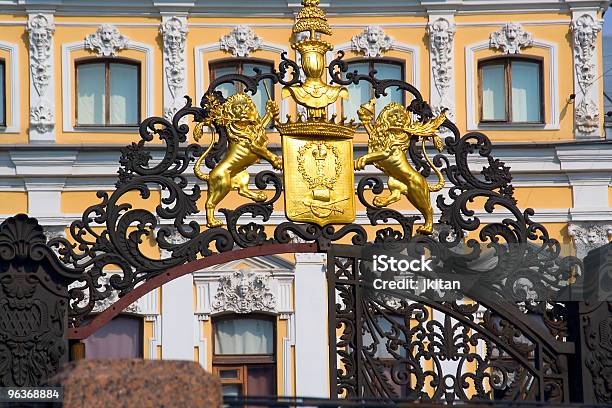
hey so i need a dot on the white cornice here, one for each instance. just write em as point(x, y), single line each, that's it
point(544, 161)
point(287, 8)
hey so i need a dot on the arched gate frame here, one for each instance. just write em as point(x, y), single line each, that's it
point(386, 345)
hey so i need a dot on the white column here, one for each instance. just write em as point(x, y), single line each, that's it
point(149, 307)
point(173, 30)
point(585, 28)
point(441, 33)
point(590, 196)
point(42, 77)
point(178, 324)
point(311, 327)
point(44, 196)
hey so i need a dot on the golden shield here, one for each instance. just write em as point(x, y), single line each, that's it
point(319, 177)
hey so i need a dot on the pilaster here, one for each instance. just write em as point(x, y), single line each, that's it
point(173, 30)
point(40, 30)
point(44, 196)
point(178, 325)
point(585, 27)
point(441, 36)
point(311, 326)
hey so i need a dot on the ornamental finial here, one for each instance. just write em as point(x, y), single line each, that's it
point(311, 18)
point(314, 94)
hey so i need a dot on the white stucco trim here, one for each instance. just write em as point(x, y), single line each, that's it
point(155, 339)
point(200, 339)
point(67, 80)
point(201, 60)
point(413, 50)
point(12, 66)
point(552, 116)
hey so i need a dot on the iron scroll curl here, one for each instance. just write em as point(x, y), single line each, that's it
point(106, 246)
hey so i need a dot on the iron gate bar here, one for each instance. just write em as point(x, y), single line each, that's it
point(82, 332)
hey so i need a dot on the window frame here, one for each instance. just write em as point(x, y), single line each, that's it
point(107, 62)
point(506, 61)
point(371, 63)
point(242, 362)
point(241, 61)
point(3, 96)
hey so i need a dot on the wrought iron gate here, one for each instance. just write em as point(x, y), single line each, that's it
point(393, 345)
point(385, 345)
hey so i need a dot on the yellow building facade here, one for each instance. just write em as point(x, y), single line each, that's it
point(79, 76)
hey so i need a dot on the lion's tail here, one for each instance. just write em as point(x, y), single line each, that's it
point(440, 184)
point(198, 164)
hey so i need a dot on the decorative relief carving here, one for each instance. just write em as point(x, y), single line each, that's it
point(588, 236)
point(174, 34)
point(104, 304)
point(42, 118)
point(511, 39)
point(244, 292)
point(441, 37)
point(106, 41)
point(585, 30)
point(40, 34)
point(33, 305)
point(241, 41)
point(587, 116)
point(372, 42)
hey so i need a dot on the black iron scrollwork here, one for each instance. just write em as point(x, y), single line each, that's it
point(108, 254)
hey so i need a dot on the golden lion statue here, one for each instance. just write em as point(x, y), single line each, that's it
point(389, 139)
point(248, 141)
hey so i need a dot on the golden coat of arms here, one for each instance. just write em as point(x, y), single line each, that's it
point(317, 152)
point(317, 160)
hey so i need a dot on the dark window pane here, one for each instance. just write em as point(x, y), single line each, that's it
point(91, 88)
point(244, 336)
point(358, 94)
point(260, 381)
point(119, 338)
point(526, 92)
point(493, 92)
point(123, 94)
point(232, 389)
point(229, 88)
point(228, 374)
point(261, 97)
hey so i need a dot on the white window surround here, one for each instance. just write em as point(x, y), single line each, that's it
point(202, 72)
point(397, 46)
point(552, 115)
point(12, 69)
point(67, 89)
point(280, 275)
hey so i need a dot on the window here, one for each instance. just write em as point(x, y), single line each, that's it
point(243, 355)
point(511, 90)
point(2, 94)
point(363, 92)
point(245, 67)
point(122, 337)
point(108, 93)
